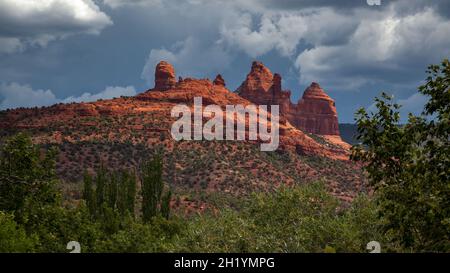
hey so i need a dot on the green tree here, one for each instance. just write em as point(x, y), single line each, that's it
point(122, 192)
point(88, 193)
point(114, 197)
point(13, 237)
point(126, 194)
point(160, 235)
point(111, 219)
point(26, 177)
point(111, 190)
point(165, 204)
point(290, 219)
point(152, 188)
point(131, 193)
point(408, 165)
point(100, 181)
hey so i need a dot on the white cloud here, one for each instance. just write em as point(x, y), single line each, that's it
point(284, 31)
point(413, 104)
point(122, 3)
point(37, 22)
point(15, 95)
point(239, 34)
point(190, 57)
point(10, 45)
point(382, 48)
point(109, 93)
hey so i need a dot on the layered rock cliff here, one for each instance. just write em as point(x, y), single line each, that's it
point(257, 84)
point(314, 113)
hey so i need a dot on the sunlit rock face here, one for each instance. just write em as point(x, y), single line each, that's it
point(256, 86)
point(164, 76)
point(315, 112)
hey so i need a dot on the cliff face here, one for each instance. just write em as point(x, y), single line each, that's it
point(315, 112)
point(257, 85)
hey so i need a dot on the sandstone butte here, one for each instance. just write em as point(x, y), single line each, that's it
point(314, 114)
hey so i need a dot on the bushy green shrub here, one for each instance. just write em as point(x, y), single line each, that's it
point(301, 219)
point(157, 236)
point(13, 237)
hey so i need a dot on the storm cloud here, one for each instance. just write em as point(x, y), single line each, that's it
point(354, 50)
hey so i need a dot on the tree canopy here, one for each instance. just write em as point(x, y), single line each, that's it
point(409, 164)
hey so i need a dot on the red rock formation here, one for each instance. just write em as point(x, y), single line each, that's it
point(164, 76)
point(276, 84)
point(261, 87)
point(315, 113)
point(219, 80)
point(257, 84)
point(280, 97)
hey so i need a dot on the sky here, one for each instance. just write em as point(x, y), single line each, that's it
point(55, 51)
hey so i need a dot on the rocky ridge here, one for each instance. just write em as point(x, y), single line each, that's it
point(314, 113)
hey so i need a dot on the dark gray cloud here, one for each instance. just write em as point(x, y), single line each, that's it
point(442, 6)
point(352, 49)
point(301, 4)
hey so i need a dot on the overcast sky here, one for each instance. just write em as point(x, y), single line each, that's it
point(82, 50)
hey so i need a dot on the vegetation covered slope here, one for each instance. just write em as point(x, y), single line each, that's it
point(120, 133)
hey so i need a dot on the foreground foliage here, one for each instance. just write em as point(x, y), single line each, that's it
point(409, 165)
point(300, 219)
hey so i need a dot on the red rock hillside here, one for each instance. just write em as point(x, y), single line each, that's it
point(120, 133)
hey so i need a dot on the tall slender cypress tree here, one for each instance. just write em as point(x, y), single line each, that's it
point(111, 191)
point(131, 193)
point(152, 186)
point(165, 204)
point(101, 181)
point(88, 193)
point(122, 192)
